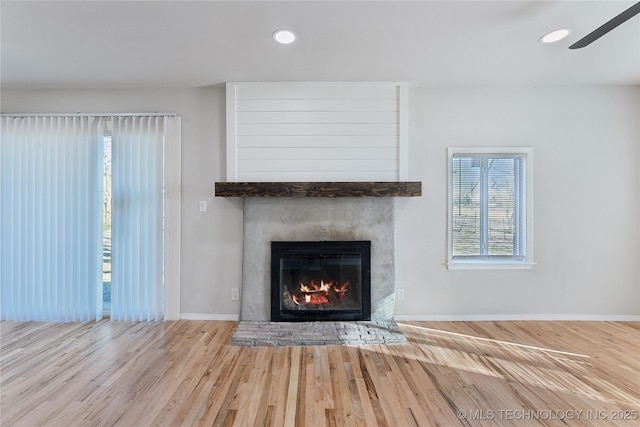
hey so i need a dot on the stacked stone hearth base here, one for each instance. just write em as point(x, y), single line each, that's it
point(276, 334)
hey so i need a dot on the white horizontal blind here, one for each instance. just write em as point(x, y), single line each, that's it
point(51, 218)
point(488, 205)
point(316, 132)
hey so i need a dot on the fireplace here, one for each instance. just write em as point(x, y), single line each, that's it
point(269, 219)
point(320, 280)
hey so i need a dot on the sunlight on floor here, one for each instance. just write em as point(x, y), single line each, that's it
point(547, 368)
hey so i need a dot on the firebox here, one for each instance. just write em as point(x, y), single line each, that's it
point(320, 280)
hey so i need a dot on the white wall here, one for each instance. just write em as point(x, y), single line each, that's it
point(586, 192)
point(586, 203)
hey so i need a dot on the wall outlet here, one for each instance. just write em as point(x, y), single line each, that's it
point(202, 205)
point(235, 294)
point(401, 293)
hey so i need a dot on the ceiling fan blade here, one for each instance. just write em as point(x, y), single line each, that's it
point(606, 27)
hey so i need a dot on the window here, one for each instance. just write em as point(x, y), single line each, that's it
point(490, 208)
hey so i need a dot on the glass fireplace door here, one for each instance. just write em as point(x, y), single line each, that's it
point(325, 280)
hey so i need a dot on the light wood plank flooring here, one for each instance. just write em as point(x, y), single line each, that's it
point(451, 374)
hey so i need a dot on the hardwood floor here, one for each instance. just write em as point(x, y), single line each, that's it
point(451, 374)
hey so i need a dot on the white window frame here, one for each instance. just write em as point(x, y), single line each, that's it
point(489, 263)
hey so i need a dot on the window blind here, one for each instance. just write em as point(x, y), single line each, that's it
point(137, 222)
point(488, 212)
point(51, 218)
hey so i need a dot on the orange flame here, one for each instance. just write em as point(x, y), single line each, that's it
point(319, 293)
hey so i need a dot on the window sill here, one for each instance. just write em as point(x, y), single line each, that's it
point(489, 265)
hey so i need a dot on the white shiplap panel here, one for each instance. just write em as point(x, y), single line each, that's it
point(316, 131)
point(328, 105)
point(319, 129)
point(316, 91)
point(250, 141)
point(232, 167)
point(334, 165)
point(403, 133)
point(314, 117)
point(318, 153)
point(308, 176)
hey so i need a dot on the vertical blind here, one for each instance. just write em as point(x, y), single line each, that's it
point(51, 201)
point(51, 218)
point(136, 277)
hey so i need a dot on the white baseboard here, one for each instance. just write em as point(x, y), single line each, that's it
point(457, 317)
point(515, 317)
point(204, 316)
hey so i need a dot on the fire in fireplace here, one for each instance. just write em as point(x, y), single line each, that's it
point(320, 280)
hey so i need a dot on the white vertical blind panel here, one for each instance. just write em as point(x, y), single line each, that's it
point(314, 131)
point(51, 218)
point(172, 209)
point(137, 285)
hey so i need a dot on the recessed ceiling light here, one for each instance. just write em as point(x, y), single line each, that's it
point(284, 36)
point(554, 36)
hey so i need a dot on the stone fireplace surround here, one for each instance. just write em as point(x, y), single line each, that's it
point(297, 219)
point(317, 211)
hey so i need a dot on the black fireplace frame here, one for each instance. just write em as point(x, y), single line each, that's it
point(327, 248)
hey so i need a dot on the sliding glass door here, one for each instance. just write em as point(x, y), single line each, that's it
point(52, 213)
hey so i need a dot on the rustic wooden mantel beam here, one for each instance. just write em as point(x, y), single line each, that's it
point(319, 189)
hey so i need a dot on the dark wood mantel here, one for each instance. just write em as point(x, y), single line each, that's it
point(319, 189)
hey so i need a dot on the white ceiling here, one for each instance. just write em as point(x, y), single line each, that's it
point(122, 44)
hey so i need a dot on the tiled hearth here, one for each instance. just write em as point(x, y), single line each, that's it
point(276, 334)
